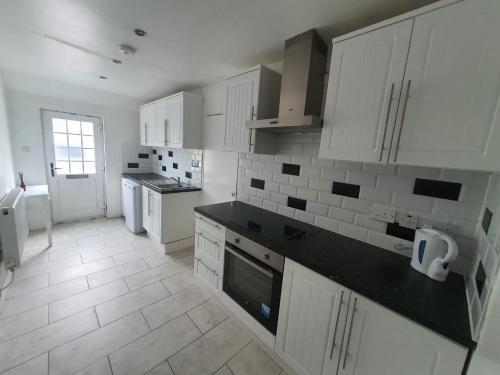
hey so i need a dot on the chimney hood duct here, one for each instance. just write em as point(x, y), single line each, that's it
point(302, 84)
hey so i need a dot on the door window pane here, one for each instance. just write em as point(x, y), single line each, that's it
point(58, 125)
point(74, 127)
point(88, 154)
point(75, 154)
point(76, 167)
point(74, 140)
point(89, 167)
point(60, 140)
point(88, 141)
point(64, 165)
point(61, 153)
point(87, 128)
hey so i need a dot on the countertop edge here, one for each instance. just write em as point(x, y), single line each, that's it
point(159, 191)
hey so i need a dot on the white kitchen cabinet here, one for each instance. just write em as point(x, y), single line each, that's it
point(380, 342)
point(146, 208)
point(363, 91)
point(446, 94)
point(174, 122)
point(251, 95)
point(151, 212)
point(453, 82)
point(326, 329)
point(311, 321)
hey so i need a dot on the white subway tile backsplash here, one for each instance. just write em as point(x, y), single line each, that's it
point(318, 162)
point(266, 175)
point(365, 222)
point(376, 195)
point(335, 174)
point(360, 178)
point(257, 164)
point(311, 172)
point(245, 163)
point(357, 205)
point(350, 165)
point(283, 158)
point(304, 216)
point(326, 223)
point(281, 178)
point(341, 214)
point(330, 199)
point(270, 206)
point(317, 208)
point(320, 185)
point(273, 167)
point(288, 190)
point(419, 172)
point(285, 210)
point(308, 195)
point(412, 201)
point(272, 186)
point(353, 231)
point(278, 198)
point(255, 201)
point(395, 183)
point(299, 181)
point(264, 194)
point(302, 159)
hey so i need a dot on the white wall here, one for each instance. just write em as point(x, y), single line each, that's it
point(7, 180)
point(27, 95)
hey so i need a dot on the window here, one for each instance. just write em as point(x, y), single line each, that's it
point(74, 146)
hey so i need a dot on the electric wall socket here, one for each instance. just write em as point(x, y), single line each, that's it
point(408, 221)
point(382, 213)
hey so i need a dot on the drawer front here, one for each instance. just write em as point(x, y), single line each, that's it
point(207, 246)
point(206, 225)
point(209, 275)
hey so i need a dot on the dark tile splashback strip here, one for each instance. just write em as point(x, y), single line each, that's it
point(396, 230)
point(437, 189)
point(133, 165)
point(170, 154)
point(154, 152)
point(480, 277)
point(347, 190)
point(258, 184)
point(143, 156)
point(189, 175)
point(299, 204)
point(160, 157)
point(175, 166)
point(292, 169)
point(485, 223)
point(163, 168)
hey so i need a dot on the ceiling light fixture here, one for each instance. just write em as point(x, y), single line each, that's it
point(116, 61)
point(126, 49)
point(103, 77)
point(140, 32)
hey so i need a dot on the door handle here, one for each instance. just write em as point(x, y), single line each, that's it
point(350, 334)
point(403, 115)
point(391, 99)
point(337, 322)
point(52, 169)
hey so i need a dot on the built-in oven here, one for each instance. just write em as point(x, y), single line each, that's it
point(253, 275)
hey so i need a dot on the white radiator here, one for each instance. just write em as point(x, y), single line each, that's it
point(13, 227)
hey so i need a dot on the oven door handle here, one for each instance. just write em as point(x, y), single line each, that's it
point(250, 263)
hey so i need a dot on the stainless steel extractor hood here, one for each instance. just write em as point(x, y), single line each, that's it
point(302, 83)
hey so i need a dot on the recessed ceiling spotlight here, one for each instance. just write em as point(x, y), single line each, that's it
point(126, 49)
point(116, 61)
point(140, 32)
point(103, 77)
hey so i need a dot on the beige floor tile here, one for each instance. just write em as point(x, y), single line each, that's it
point(35, 366)
point(180, 281)
point(24, 322)
point(177, 304)
point(84, 351)
point(208, 353)
point(27, 285)
point(134, 255)
point(188, 251)
point(124, 305)
point(82, 301)
point(41, 297)
point(42, 340)
point(157, 259)
point(150, 350)
point(161, 369)
point(112, 274)
point(40, 269)
point(187, 262)
point(35, 257)
point(224, 370)
point(207, 316)
point(101, 367)
point(252, 360)
point(91, 256)
point(80, 270)
point(153, 275)
point(61, 253)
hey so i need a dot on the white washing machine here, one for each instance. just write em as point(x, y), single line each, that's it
point(132, 205)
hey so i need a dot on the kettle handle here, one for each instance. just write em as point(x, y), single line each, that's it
point(452, 253)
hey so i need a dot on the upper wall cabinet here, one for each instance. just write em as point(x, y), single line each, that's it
point(251, 95)
point(175, 121)
point(442, 113)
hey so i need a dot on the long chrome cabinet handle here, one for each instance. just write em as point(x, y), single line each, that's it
point(403, 115)
point(391, 99)
point(350, 333)
point(208, 239)
point(337, 323)
point(211, 270)
point(208, 222)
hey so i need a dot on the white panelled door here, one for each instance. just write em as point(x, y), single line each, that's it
point(174, 122)
point(74, 156)
point(363, 91)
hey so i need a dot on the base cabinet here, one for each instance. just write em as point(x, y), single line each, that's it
point(324, 328)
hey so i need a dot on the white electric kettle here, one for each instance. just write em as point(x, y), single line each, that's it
point(433, 251)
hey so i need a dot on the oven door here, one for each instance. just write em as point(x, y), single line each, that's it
point(253, 285)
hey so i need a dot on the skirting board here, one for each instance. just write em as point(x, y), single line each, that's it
point(178, 245)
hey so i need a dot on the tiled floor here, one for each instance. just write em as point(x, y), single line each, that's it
point(104, 301)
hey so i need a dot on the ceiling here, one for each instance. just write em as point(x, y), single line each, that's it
point(190, 43)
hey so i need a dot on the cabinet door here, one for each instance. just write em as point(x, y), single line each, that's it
point(380, 342)
point(241, 99)
point(146, 207)
point(208, 247)
point(453, 84)
point(160, 122)
point(208, 274)
point(156, 212)
point(311, 321)
point(149, 123)
point(143, 113)
point(364, 86)
point(175, 119)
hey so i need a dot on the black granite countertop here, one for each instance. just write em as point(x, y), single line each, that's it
point(375, 273)
point(145, 178)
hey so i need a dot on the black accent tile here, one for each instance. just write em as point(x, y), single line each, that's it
point(175, 166)
point(170, 154)
point(437, 189)
point(189, 175)
point(487, 216)
point(163, 168)
point(480, 278)
point(292, 169)
point(133, 165)
point(396, 230)
point(258, 184)
point(347, 190)
point(299, 204)
point(143, 156)
point(160, 157)
point(154, 152)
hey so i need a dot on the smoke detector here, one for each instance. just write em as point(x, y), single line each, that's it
point(126, 49)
